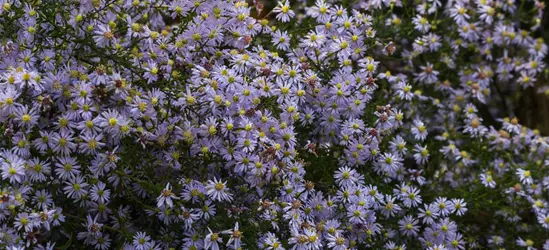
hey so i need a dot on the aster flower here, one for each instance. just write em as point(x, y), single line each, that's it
point(152, 72)
point(459, 13)
point(281, 40)
point(284, 13)
point(337, 242)
point(487, 180)
point(235, 239)
point(299, 241)
point(444, 206)
point(428, 75)
point(103, 36)
point(408, 226)
point(24, 222)
point(212, 240)
point(75, 188)
point(67, 168)
point(63, 142)
point(166, 197)
point(43, 199)
point(428, 214)
point(525, 176)
point(437, 247)
point(13, 169)
point(26, 117)
point(111, 121)
point(459, 206)
point(320, 11)
point(528, 243)
point(487, 13)
point(345, 177)
point(311, 131)
point(99, 193)
point(217, 190)
point(543, 219)
point(419, 130)
point(421, 23)
point(421, 154)
point(141, 241)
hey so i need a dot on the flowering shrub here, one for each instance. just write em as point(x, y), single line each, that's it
point(226, 124)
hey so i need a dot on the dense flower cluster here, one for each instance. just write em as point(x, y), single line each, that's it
point(227, 124)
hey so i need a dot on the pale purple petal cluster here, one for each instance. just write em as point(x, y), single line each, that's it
point(230, 124)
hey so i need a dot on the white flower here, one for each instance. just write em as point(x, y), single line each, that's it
point(212, 240)
point(13, 170)
point(217, 190)
point(166, 197)
point(525, 176)
point(284, 11)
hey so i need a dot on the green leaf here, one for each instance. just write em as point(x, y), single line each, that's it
point(67, 245)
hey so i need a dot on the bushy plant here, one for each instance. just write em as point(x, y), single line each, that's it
point(227, 124)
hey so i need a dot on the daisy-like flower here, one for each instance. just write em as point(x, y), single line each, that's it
point(525, 176)
point(13, 169)
point(321, 11)
point(284, 13)
point(67, 167)
point(141, 241)
point(235, 240)
point(151, 72)
point(487, 13)
point(298, 240)
point(450, 151)
point(75, 188)
point(110, 120)
point(437, 247)
point(421, 154)
point(165, 198)
point(103, 35)
point(336, 242)
point(8, 97)
point(63, 142)
point(428, 213)
point(408, 226)
point(217, 190)
point(474, 126)
point(281, 40)
point(411, 198)
point(272, 243)
point(459, 13)
point(428, 75)
point(444, 206)
point(543, 219)
point(212, 240)
point(404, 91)
point(389, 162)
point(314, 239)
point(388, 206)
point(495, 240)
point(459, 207)
point(43, 198)
point(528, 243)
point(99, 193)
point(23, 221)
point(487, 180)
point(419, 130)
point(25, 117)
point(421, 24)
point(345, 176)
point(526, 79)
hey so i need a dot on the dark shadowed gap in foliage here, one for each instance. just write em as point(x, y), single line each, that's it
point(532, 108)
